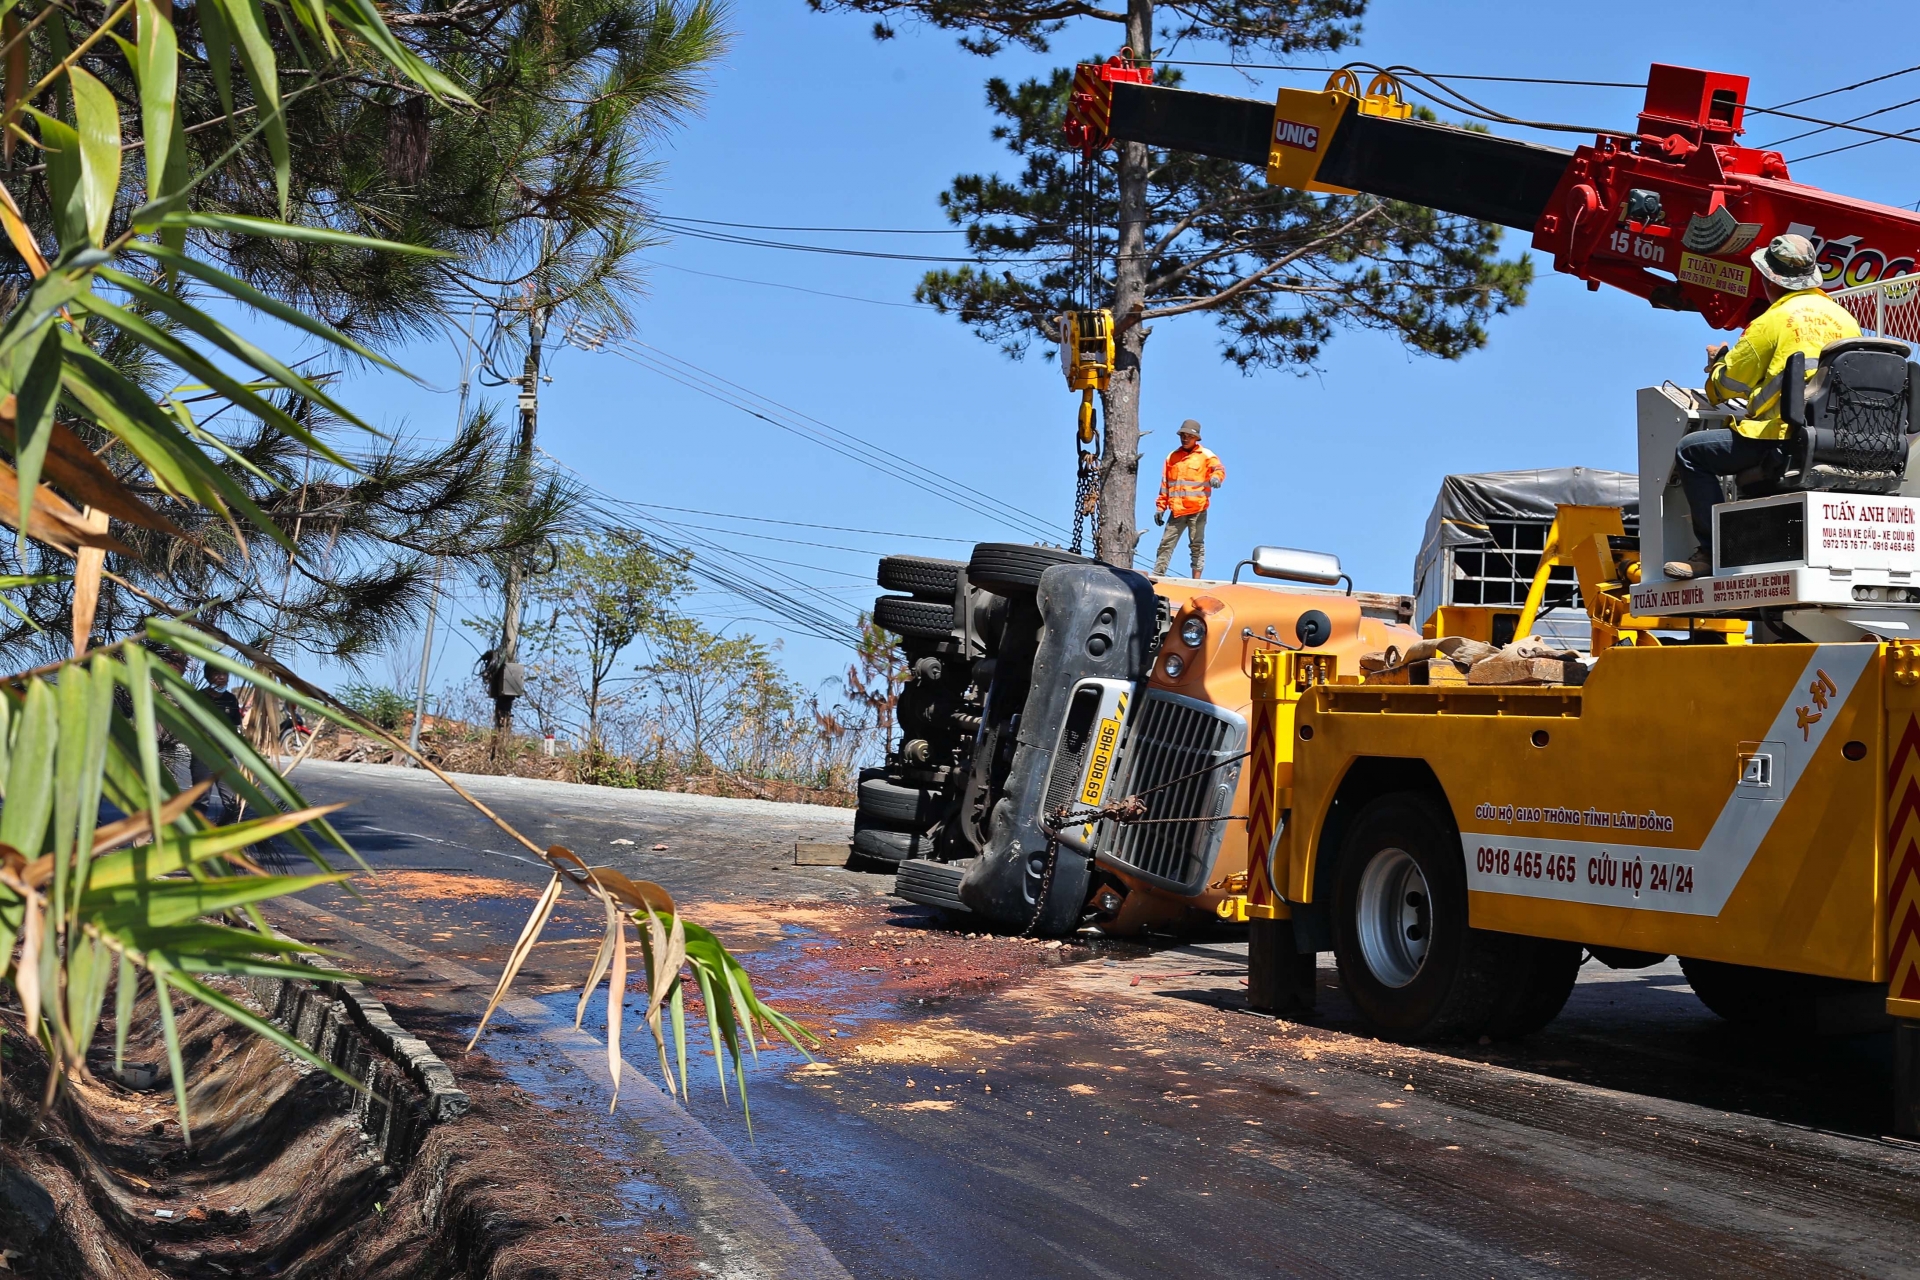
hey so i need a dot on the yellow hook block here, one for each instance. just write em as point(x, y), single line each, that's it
point(1086, 349)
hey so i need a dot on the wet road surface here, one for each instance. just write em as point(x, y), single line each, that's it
point(989, 1105)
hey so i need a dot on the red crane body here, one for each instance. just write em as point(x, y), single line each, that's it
point(1715, 201)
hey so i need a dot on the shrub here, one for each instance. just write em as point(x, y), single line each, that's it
point(385, 707)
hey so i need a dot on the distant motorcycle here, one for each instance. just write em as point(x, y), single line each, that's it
point(294, 731)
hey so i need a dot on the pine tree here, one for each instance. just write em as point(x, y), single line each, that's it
point(1280, 271)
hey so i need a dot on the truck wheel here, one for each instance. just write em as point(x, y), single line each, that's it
point(922, 577)
point(1408, 960)
point(889, 846)
point(1010, 568)
point(1537, 988)
point(897, 806)
point(927, 619)
point(1740, 993)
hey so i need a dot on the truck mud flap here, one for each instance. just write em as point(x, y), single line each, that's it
point(931, 884)
point(1098, 621)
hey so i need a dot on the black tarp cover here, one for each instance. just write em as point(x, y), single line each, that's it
point(1467, 502)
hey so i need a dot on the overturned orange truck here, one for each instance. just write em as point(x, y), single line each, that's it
point(1040, 683)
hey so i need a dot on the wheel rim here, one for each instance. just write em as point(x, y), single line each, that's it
point(1395, 917)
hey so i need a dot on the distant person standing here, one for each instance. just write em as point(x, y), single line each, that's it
point(222, 805)
point(1193, 473)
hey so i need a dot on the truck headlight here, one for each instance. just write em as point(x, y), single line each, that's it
point(1193, 632)
point(1175, 664)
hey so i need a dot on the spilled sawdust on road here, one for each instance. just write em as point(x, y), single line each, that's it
point(941, 1040)
point(436, 886)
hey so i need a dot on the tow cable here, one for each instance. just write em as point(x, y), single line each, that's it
point(1128, 811)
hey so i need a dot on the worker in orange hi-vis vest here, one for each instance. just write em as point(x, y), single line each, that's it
point(1193, 473)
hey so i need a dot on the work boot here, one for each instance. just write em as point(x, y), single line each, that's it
point(1698, 566)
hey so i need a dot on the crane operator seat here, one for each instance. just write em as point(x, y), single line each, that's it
point(1849, 425)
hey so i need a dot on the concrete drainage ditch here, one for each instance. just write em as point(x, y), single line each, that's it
point(291, 1174)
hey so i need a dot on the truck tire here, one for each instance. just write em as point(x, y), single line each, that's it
point(933, 884)
point(903, 808)
point(921, 577)
point(1413, 967)
point(1740, 993)
point(923, 619)
point(1010, 568)
point(1537, 988)
point(887, 845)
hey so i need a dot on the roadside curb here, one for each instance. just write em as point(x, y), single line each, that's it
point(751, 1233)
point(345, 1025)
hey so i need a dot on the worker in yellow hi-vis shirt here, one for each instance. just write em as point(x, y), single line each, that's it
point(1800, 317)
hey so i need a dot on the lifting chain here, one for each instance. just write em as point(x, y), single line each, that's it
point(1128, 810)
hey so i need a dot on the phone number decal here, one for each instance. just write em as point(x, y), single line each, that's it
point(1600, 871)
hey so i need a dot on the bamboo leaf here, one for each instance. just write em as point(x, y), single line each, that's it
point(175, 1067)
point(69, 779)
point(241, 291)
point(177, 850)
point(16, 73)
point(679, 1034)
point(266, 228)
point(161, 904)
point(26, 974)
point(98, 116)
point(185, 357)
point(529, 935)
point(124, 990)
point(158, 60)
point(239, 348)
point(364, 20)
point(219, 43)
point(194, 719)
point(153, 437)
point(140, 686)
point(601, 959)
point(36, 377)
point(23, 819)
point(62, 147)
point(616, 1008)
point(247, 24)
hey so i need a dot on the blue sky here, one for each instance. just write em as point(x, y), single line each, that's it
point(810, 122)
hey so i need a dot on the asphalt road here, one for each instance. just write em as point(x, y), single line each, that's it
point(1108, 1110)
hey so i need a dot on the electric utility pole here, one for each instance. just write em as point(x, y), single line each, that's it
point(433, 600)
point(506, 678)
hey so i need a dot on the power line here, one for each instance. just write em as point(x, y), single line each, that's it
point(1879, 135)
point(1866, 115)
point(775, 284)
point(802, 524)
point(1845, 88)
point(767, 226)
point(834, 439)
point(1855, 146)
point(1435, 75)
point(755, 242)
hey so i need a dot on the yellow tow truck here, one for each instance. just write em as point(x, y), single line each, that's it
point(1730, 775)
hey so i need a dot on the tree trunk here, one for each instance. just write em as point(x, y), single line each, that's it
point(1114, 535)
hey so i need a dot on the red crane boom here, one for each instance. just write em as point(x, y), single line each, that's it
point(1669, 211)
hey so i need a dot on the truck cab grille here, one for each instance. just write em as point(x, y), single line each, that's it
point(1174, 737)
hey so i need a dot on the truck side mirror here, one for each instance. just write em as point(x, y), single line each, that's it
point(1793, 390)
